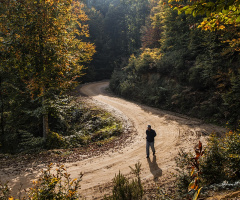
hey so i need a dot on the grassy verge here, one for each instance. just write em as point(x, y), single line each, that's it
point(84, 125)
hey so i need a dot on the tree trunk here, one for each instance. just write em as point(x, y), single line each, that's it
point(2, 117)
point(45, 126)
point(42, 68)
point(45, 120)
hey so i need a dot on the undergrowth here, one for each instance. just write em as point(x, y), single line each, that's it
point(125, 188)
point(52, 184)
point(219, 164)
point(72, 124)
point(85, 125)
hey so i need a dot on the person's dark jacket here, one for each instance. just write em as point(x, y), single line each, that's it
point(150, 135)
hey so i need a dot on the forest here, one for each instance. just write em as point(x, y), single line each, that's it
point(179, 60)
point(153, 54)
point(180, 56)
point(187, 64)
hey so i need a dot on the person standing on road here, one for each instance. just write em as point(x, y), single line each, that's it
point(150, 140)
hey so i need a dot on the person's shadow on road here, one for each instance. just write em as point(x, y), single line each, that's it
point(154, 169)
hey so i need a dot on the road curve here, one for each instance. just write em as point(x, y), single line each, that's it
point(174, 131)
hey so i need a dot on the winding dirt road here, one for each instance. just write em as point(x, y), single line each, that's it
point(174, 131)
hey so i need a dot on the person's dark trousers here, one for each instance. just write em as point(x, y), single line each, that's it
point(151, 144)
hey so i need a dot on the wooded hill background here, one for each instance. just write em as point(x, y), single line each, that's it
point(168, 59)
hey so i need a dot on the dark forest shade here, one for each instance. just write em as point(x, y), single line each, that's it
point(115, 28)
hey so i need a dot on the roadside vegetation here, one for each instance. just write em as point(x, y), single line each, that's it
point(52, 184)
point(73, 124)
point(76, 125)
point(209, 169)
point(127, 188)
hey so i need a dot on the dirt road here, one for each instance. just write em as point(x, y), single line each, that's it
point(174, 131)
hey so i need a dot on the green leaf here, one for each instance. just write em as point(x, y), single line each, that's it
point(208, 13)
point(210, 4)
point(188, 11)
point(238, 19)
point(194, 13)
point(225, 11)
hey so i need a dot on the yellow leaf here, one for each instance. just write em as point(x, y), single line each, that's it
point(196, 194)
point(221, 27)
point(192, 171)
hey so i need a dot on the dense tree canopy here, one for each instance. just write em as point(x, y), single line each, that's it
point(219, 15)
point(115, 27)
point(43, 52)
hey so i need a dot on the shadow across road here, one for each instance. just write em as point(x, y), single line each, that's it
point(154, 169)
